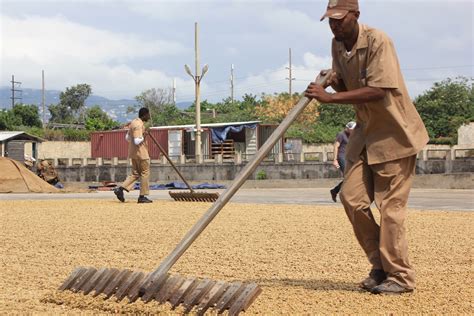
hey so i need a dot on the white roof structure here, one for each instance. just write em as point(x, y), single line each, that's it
point(193, 126)
point(7, 135)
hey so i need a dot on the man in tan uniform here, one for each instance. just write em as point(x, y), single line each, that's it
point(381, 153)
point(138, 153)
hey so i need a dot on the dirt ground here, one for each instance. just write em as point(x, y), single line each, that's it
point(305, 258)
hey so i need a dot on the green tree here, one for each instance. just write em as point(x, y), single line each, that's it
point(60, 114)
point(71, 107)
point(8, 121)
point(28, 115)
point(160, 103)
point(446, 106)
point(171, 115)
point(335, 115)
point(98, 120)
point(228, 111)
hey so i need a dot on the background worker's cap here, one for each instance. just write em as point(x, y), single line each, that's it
point(338, 9)
point(351, 125)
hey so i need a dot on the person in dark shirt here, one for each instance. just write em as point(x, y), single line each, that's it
point(339, 154)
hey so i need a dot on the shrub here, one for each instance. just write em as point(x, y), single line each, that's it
point(261, 175)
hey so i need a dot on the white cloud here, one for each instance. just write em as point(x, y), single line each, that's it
point(66, 40)
point(71, 53)
point(317, 62)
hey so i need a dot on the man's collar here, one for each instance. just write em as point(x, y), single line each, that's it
point(361, 40)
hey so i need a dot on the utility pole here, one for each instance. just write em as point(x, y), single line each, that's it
point(290, 76)
point(174, 91)
point(197, 80)
point(198, 96)
point(232, 83)
point(18, 83)
point(42, 99)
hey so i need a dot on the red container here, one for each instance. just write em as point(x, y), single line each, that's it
point(109, 144)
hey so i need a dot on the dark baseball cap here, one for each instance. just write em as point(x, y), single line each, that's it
point(338, 9)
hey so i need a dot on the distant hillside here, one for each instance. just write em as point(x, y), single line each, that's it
point(117, 109)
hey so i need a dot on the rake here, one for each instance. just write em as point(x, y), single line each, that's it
point(194, 294)
point(191, 196)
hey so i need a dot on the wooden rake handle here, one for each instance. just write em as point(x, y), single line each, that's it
point(202, 223)
point(170, 161)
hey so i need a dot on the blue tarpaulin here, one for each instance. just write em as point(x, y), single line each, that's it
point(219, 134)
point(180, 185)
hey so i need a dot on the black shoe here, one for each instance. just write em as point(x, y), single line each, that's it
point(390, 287)
point(333, 194)
point(375, 278)
point(119, 193)
point(144, 199)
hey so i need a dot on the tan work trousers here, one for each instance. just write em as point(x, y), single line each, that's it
point(140, 170)
point(388, 184)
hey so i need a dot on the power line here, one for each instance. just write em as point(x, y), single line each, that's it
point(221, 92)
point(309, 80)
point(441, 67)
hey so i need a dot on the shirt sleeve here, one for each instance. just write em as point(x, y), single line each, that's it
point(339, 138)
point(136, 129)
point(138, 140)
point(382, 66)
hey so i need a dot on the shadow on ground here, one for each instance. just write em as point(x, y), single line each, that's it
point(317, 285)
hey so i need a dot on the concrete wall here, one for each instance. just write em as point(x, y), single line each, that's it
point(163, 173)
point(323, 152)
point(466, 134)
point(61, 149)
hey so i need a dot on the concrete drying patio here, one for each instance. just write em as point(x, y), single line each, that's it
point(304, 257)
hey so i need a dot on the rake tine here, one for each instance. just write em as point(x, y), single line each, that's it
point(194, 196)
point(134, 292)
point(72, 278)
point(87, 287)
point(193, 298)
point(245, 299)
point(180, 294)
point(230, 295)
point(112, 286)
point(166, 287)
point(192, 293)
point(212, 297)
point(109, 276)
point(83, 279)
point(136, 277)
point(149, 290)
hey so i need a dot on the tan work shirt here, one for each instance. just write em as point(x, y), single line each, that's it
point(390, 128)
point(137, 129)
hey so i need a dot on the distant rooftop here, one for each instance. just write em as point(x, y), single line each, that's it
point(18, 135)
point(189, 126)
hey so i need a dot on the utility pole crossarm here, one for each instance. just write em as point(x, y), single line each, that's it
point(13, 90)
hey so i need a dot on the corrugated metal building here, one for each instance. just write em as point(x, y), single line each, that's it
point(110, 144)
point(217, 138)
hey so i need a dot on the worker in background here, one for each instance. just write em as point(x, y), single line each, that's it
point(381, 153)
point(339, 154)
point(46, 171)
point(138, 153)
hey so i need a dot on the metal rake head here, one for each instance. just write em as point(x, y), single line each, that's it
point(192, 293)
point(194, 196)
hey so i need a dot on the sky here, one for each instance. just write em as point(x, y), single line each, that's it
point(122, 48)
